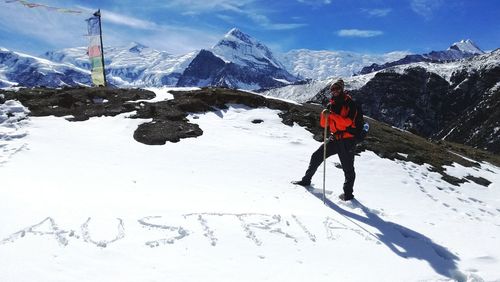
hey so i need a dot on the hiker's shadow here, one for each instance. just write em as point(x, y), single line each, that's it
point(401, 240)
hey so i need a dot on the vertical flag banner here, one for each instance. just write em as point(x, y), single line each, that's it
point(95, 50)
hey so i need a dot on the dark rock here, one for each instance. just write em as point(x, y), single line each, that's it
point(78, 102)
point(452, 179)
point(206, 69)
point(191, 105)
point(159, 111)
point(479, 180)
point(159, 132)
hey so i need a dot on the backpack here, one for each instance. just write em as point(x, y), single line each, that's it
point(361, 127)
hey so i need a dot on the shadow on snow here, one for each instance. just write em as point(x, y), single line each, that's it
point(403, 241)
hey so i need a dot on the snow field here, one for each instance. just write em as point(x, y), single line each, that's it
point(83, 201)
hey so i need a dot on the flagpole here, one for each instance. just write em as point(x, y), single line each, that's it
point(98, 14)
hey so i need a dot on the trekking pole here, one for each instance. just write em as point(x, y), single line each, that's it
point(324, 154)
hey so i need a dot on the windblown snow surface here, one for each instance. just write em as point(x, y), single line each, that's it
point(83, 201)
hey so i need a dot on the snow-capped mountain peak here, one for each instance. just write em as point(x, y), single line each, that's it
point(136, 47)
point(236, 61)
point(466, 46)
point(237, 35)
point(241, 48)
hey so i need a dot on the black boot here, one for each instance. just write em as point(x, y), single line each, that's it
point(302, 182)
point(346, 197)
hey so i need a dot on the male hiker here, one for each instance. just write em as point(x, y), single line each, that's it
point(341, 112)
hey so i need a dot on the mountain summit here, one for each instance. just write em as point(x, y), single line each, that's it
point(241, 48)
point(236, 61)
point(466, 46)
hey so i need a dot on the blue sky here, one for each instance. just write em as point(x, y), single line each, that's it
point(179, 26)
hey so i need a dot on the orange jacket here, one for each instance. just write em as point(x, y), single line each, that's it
point(340, 118)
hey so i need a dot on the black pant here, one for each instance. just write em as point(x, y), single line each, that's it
point(345, 149)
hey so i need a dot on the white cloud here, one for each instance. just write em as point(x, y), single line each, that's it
point(237, 8)
point(315, 2)
point(179, 41)
point(226, 18)
point(128, 21)
point(377, 12)
point(59, 30)
point(284, 26)
point(266, 23)
point(359, 33)
point(55, 29)
point(209, 5)
point(426, 8)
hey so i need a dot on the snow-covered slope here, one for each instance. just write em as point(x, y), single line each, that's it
point(131, 65)
point(26, 70)
point(320, 65)
point(95, 205)
point(246, 63)
point(446, 70)
point(305, 92)
point(239, 48)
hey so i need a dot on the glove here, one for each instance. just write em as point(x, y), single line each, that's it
point(329, 107)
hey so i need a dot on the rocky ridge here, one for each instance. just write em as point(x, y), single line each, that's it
point(457, 51)
point(169, 121)
point(458, 102)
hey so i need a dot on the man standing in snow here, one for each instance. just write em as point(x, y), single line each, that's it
point(340, 113)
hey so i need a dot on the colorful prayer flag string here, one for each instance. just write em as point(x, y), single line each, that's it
point(37, 5)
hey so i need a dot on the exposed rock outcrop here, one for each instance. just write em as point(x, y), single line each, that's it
point(169, 122)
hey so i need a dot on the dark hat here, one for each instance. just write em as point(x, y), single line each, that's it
point(339, 83)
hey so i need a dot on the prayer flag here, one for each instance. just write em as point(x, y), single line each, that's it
point(95, 50)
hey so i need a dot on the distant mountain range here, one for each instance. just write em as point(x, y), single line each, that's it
point(236, 61)
point(457, 51)
point(26, 70)
point(410, 83)
point(456, 101)
point(452, 94)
